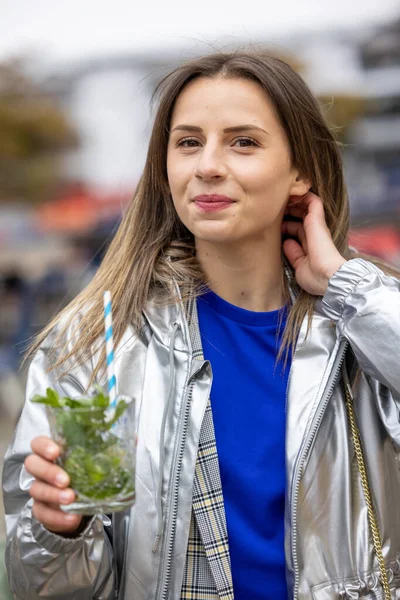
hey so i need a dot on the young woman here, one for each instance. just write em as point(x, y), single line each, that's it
point(241, 315)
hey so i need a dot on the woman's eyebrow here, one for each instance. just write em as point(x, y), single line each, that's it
point(239, 128)
point(235, 129)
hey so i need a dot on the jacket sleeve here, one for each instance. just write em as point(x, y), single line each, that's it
point(42, 564)
point(365, 305)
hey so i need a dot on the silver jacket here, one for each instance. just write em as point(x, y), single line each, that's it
point(329, 552)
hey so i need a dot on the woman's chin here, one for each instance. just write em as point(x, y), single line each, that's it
point(214, 233)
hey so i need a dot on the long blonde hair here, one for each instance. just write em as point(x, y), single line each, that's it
point(152, 247)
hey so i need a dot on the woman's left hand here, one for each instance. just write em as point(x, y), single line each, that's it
point(314, 256)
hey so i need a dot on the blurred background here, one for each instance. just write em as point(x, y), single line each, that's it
point(75, 116)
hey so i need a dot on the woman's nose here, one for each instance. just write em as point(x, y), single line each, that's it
point(211, 163)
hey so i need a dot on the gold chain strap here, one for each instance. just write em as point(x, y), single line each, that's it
point(367, 493)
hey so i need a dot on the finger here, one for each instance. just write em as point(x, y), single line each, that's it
point(296, 200)
point(306, 200)
point(296, 211)
point(310, 203)
point(315, 230)
point(45, 447)
point(55, 520)
point(313, 200)
point(293, 252)
point(46, 471)
point(48, 494)
point(295, 229)
point(315, 211)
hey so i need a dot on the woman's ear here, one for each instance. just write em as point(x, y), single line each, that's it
point(300, 185)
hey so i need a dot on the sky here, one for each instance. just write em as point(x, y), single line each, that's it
point(85, 28)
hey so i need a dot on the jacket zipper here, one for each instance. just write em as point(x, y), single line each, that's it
point(170, 528)
point(300, 463)
point(75, 382)
point(288, 380)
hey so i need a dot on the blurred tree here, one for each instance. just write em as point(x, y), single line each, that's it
point(277, 52)
point(341, 111)
point(34, 132)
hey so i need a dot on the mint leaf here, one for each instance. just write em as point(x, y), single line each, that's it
point(121, 407)
point(51, 399)
point(78, 402)
point(100, 400)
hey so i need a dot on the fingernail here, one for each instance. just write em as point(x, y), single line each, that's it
point(50, 450)
point(62, 479)
point(65, 496)
point(70, 518)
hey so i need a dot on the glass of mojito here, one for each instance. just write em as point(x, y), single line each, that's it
point(98, 449)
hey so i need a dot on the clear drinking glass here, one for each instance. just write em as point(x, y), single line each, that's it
point(98, 453)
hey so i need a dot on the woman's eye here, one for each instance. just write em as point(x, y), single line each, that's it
point(245, 142)
point(188, 143)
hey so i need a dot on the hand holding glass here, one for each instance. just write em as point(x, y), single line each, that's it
point(98, 449)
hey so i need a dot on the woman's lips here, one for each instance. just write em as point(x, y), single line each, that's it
point(212, 202)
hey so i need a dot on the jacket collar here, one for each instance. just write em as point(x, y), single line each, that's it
point(161, 320)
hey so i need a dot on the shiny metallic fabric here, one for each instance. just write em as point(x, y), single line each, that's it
point(329, 551)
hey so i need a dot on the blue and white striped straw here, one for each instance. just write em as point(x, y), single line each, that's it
point(112, 382)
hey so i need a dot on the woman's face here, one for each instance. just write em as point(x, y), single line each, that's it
point(228, 162)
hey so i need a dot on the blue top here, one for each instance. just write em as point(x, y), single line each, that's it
point(248, 403)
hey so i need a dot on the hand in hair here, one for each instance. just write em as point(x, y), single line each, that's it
point(310, 248)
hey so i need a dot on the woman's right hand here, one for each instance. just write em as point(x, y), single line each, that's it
point(50, 488)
